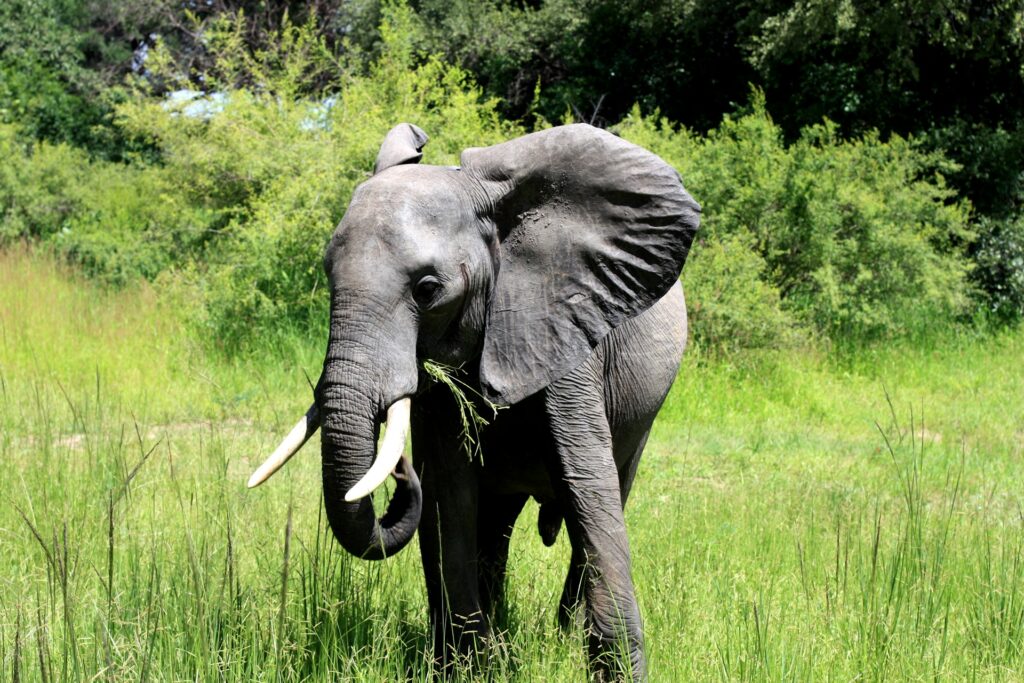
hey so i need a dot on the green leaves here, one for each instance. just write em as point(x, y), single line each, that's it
point(855, 237)
point(999, 270)
point(817, 236)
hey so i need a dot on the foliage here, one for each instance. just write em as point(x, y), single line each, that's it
point(999, 273)
point(276, 171)
point(509, 47)
point(37, 99)
point(904, 65)
point(117, 222)
point(990, 168)
point(38, 184)
point(950, 72)
point(237, 191)
point(596, 58)
point(243, 197)
point(855, 236)
point(287, 60)
point(61, 62)
point(731, 302)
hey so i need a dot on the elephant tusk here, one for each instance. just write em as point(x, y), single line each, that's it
point(390, 452)
point(290, 446)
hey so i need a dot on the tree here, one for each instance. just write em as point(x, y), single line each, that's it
point(951, 72)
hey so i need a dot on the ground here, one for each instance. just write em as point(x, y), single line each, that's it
point(831, 514)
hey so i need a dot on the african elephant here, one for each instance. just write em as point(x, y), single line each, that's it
point(547, 268)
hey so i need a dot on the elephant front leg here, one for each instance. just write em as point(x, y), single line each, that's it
point(448, 541)
point(448, 546)
point(583, 471)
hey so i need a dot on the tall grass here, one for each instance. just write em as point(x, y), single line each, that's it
point(797, 516)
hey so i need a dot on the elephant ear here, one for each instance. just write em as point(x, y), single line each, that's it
point(402, 145)
point(592, 231)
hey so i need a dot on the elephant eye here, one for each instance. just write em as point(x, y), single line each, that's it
point(426, 289)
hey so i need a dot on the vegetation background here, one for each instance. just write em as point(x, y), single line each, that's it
point(833, 490)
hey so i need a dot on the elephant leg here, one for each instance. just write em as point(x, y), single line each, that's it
point(582, 468)
point(448, 548)
point(496, 520)
point(572, 591)
point(448, 545)
point(549, 521)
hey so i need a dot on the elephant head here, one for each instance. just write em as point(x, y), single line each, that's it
point(514, 264)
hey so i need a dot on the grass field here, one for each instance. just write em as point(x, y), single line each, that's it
point(819, 516)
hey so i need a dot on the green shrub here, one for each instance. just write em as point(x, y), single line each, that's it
point(59, 74)
point(731, 304)
point(822, 236)
point(133, 224)
point(275, 173)
point(999, 269)
point(35, 97)
point(854, 236)
point(118, 222)
point(40, 186)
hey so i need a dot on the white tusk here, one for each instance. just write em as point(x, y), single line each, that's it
point(290, 446)
point(388, 455)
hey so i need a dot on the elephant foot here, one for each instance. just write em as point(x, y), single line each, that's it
point(614, 638)
point(549, 522)
point(616, 660)
point(463, 646)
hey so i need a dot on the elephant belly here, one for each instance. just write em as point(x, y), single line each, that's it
point(516, 446)
point(640, 360)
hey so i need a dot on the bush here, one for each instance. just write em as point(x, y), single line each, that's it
point(731, 304)
point(40, 186)
point(60, 65)
point(854, 236)
point(275, 173)
point(133, 225)
point(999, 270)
point(240, 189)
point(117, 222)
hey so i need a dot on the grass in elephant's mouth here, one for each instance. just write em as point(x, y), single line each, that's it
point(776, 535)
point(470, 417)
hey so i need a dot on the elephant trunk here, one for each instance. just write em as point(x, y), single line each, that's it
point(350, 422)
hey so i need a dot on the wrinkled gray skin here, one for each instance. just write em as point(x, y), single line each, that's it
point(547, 267)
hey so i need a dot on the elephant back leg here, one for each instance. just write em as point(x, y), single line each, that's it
point(641, 360)
point(584, 472)
point(495, 523)
point(572, 590)
point(627, 451)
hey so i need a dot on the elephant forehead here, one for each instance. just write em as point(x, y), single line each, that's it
point(398, 207)
point(404, 223)
point(379, 246)
point(423, 193)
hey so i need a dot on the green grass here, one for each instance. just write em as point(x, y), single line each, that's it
point(789, 522)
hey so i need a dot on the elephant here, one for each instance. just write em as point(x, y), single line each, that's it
point(546, 268)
